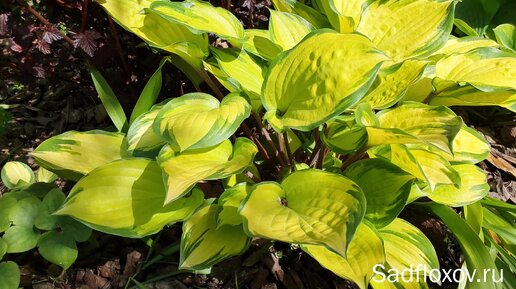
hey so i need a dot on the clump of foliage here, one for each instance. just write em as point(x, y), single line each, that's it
point(27, 221)
point(350, 101)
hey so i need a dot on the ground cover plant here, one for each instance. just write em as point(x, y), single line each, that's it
point(324, 129)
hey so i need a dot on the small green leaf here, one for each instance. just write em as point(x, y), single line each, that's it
point(73, 228)
point(149, 94)
point(17, 175)
point(199, 120)
point(473, 214)
point(386, 188)
point(51, 203)
point(200, 17)
point(305, 86)
point(10, 275)
point(109, 100)
point(204, 243)
point(288, 29)
point(364, 252)
point(134, 206)
point(25, 210)
point(309, 207)
point(58, 248)
point(20, 239)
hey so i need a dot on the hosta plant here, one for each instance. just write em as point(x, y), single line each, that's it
point(324, 128)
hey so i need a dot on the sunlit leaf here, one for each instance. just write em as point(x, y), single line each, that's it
point(469, 146)
point(200, 17)
point(134, 206)
point(199, 120)
point(364, 252)
point(211, 66)
point(157, 31)
point(308, 207)
point(408, 28)
point(421, 90)
point(464, 45)
point(473, 187)
point(305, 86)
point(74, 154)
point(436, 125)
point(423, 164)
point(287, 29)
point(243, 70)
point(184, 170)
point(365, 116)
point(406, 246)
point(485, 68)
point(392, 82)
point(470, 96)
